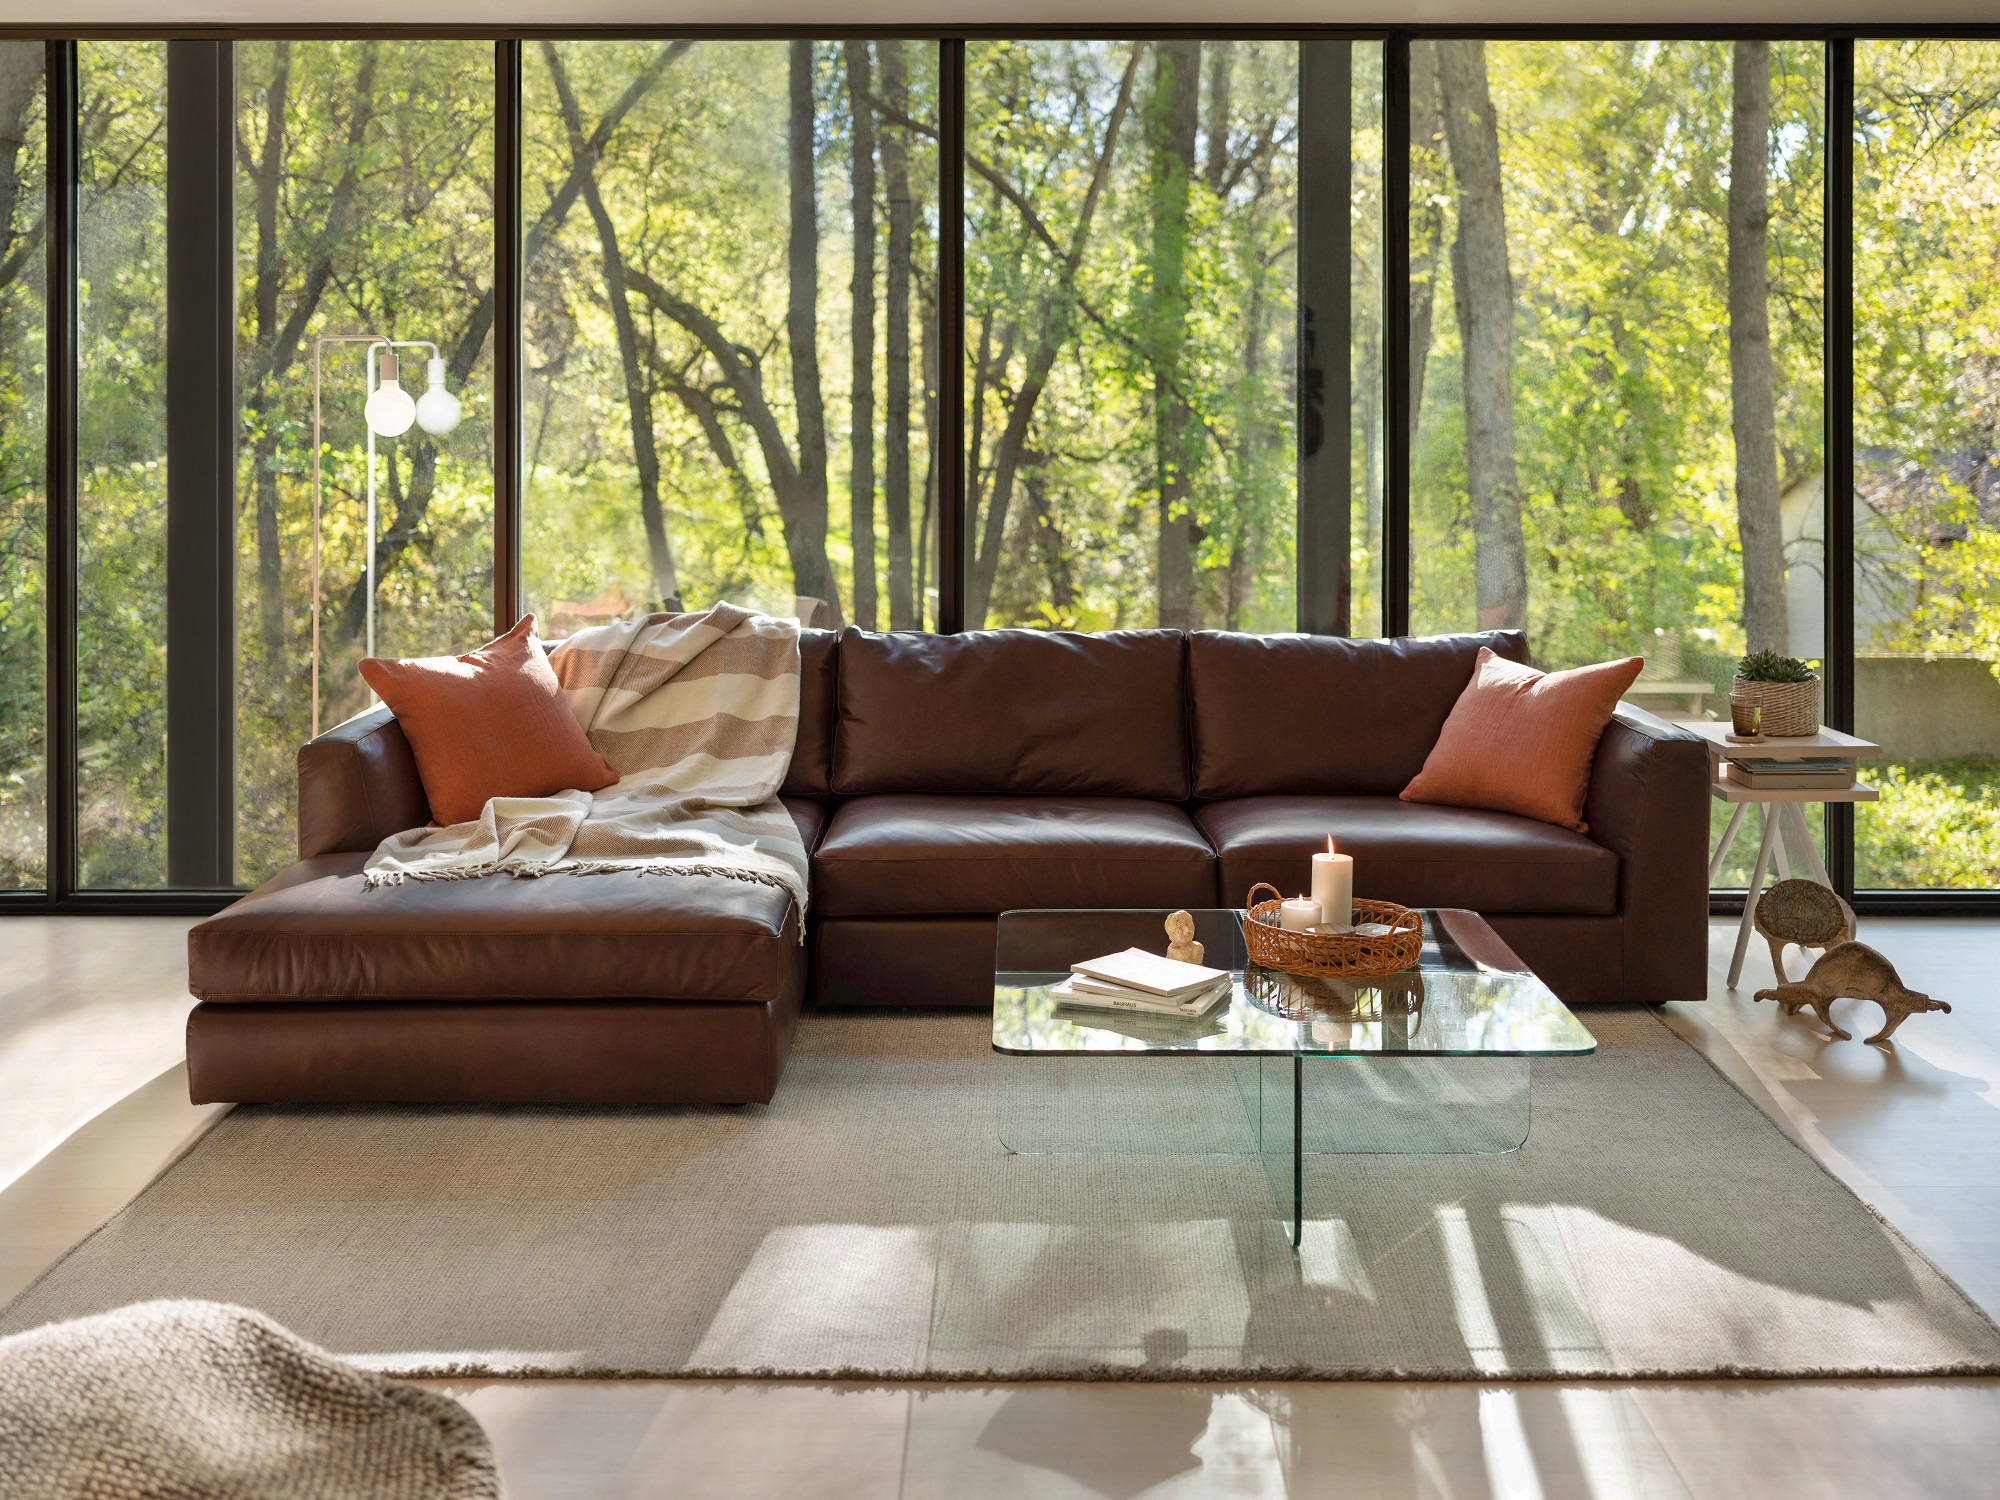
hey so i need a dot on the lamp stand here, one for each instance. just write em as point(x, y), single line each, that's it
point(373, 340)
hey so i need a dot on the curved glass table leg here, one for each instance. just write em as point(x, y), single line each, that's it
point(1310, 1107)
point(1286, 1111)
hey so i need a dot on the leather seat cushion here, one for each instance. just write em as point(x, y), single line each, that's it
point(922, 854)
point(315, 932)
point(1416, 854)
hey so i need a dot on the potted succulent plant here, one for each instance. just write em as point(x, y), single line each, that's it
point(1774, 694)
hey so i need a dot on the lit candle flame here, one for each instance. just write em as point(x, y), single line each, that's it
point(1329, 845)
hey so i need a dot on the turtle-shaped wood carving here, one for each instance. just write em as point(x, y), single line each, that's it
point(1852, 971)
point(1802, 912)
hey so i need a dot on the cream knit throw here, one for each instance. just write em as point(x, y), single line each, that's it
point(698, 715)
point(202, 1399)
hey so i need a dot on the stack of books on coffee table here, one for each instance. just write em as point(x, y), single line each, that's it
point(1142, 981)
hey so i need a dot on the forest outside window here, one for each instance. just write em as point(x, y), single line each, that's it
point(364, 205)
point(1927, 460)
point(1132, 331)
point(730, 311)
point(121, 770)
point(23, 460)
point(1170, 383)
point(1616, 353)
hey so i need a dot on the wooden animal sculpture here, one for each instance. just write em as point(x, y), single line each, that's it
point(1180, 939)
point(1802, 912)
point(1852, 971)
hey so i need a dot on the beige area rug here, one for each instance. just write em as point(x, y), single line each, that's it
point(868, 1224)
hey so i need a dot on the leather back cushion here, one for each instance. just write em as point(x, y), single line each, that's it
point(812, 757)
point(1323, 715)
point(1032, 712)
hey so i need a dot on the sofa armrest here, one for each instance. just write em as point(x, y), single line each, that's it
point(358, 784)
point(1648, 804)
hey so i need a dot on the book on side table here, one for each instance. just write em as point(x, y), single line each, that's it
point(1760, 772)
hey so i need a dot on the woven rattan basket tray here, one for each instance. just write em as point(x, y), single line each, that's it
point(1334, 954)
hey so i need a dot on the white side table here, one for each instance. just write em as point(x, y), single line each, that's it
point(1777, 808)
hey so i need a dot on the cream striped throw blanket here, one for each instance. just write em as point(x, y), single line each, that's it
point(698, 714)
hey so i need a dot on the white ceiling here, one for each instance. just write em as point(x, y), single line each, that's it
point(918, 13)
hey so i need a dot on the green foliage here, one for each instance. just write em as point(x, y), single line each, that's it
point(121, 452)
point(365, 204)
point(1768, 666)
point(1937, 827)
point(23, 774)
point(1071, 373)
point(1614, 160)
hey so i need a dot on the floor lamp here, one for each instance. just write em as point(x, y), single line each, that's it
point(388, 413)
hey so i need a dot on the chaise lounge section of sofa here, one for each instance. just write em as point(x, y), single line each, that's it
point(937, 782)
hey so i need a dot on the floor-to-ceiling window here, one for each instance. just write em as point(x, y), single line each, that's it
point(23, 468)
point(730, 311)
point(1927, 459)
point(1170, 354)
point(1616, 352)
point(1135, 423)
point(121, 750)
point(364, 205)
point(1131, 332)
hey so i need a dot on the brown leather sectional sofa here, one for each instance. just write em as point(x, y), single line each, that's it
point(938, 781)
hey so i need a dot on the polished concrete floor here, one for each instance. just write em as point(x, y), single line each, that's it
point(93, 1103)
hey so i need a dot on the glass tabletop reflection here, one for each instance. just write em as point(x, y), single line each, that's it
point(1469, 996)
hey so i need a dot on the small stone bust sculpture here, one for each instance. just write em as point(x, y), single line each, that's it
point(1180, 939)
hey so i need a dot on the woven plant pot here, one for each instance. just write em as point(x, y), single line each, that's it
point(1790, 708)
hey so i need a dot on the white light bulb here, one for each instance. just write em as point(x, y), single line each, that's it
point(437, 408)
point(390, 411)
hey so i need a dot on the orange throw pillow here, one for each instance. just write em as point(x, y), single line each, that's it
point(1522, 741)
point(490, 723)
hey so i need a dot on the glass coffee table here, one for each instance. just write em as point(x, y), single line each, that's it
point(1434, 1060)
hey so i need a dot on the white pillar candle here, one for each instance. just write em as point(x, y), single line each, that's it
point(1333, 886)
point(1298, 914)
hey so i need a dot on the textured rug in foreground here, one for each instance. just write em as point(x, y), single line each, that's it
point(868, 1224)
point(193, 1398)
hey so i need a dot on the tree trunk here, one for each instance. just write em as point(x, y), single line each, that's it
point(263, 398)
point(928, 367)
point(1176, 99)
point(638, 393)
point(1753, 417)
point(1426, 220)
point(278, 341)
point(896, 420)
point(861, 466)
point(638, 407)
point(1246, 545)
point(812, 572)
point(1216, 168)
point(20, 78)
point(1486, 328)
point(745, 379)
point(1050, 323)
